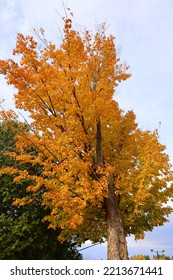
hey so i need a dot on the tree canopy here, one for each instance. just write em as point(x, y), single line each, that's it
point(23, 235)
point(93, 155)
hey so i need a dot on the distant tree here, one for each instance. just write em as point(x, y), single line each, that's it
point(103, 176)
point(23, 235)
point(146, 257)
point(161, 257)
point(140, 257)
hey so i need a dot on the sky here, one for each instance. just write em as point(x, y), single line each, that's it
point(144, 36)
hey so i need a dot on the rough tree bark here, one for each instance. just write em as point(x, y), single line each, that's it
point(116, 241)
point(117, 247)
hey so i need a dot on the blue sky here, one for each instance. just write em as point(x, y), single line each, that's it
point(144, 33)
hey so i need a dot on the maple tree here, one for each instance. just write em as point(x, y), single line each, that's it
point(23, 235)
point(104, 177)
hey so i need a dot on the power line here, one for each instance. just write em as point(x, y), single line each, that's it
point(89, 247)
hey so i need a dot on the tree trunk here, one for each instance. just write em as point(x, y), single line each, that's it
point(99, 153)
point(116, 241)
point(117, 247)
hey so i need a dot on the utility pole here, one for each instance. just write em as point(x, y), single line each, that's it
point(158, 253)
